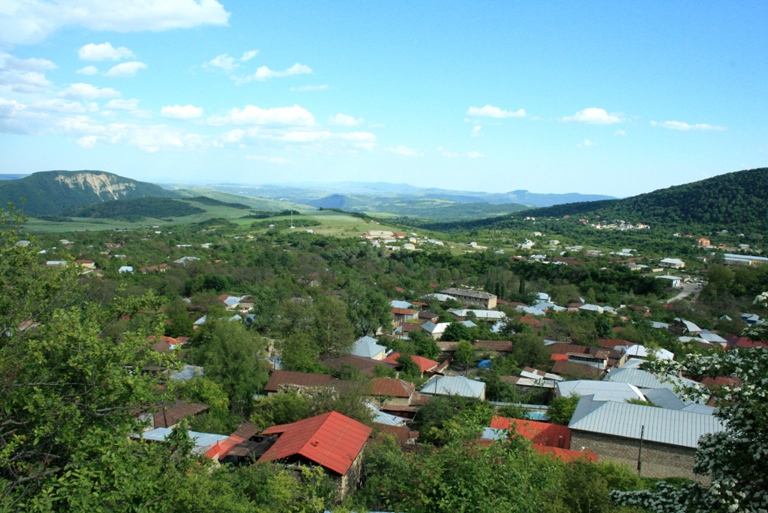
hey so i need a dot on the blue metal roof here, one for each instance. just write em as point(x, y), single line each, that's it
point(673, 427)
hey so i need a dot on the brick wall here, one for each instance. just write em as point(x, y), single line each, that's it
point(658, 460)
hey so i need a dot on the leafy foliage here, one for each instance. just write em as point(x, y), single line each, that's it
point(136, 209)
point(734, 459)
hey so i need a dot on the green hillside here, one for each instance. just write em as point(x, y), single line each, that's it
point(735, 201)
point(53, 192)
point(136, 209)
point(252, 202)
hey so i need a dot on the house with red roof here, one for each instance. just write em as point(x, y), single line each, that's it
point(391, 391)
point(547, 438)
point(541, 433)
point(425, 364)
point(331, 440)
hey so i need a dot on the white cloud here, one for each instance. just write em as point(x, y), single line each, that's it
point(179, 112)
point(25, 75)
point(25, 81)
point(103, 52)
point(319, 87)
point(404, 151)
point(82, 91)
point(228, 64)
point(311, 139)
point(477, 131)
point(125, 69)
point(32, 21)
point(594, 116)
point(224, 61)
point(9, 62)
point(56, 105)
point(680, 125)
point(270, 160)
point(446, 153)
point(88, 70)
point(475, 155)
point(620, 132)
point(264, 73)
point(122, 104)
point(88, 141)
point(586, 144)
point(247, 56)
point(489, 111)
point(253, 115)
point(345, 120)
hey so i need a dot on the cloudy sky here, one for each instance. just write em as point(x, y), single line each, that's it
point(612, 97)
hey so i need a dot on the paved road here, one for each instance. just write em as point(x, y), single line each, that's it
point(686, 290)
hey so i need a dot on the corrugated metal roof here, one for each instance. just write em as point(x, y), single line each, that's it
point(202, 441)
point(601, 390)
point(454, 385)
point(468, 293)
point(391, 387)
point(665, 426)
point(664, 398)
point(305, 379)
point(399, 304)
point(367, 347)
point(170, 415)
point(332, 440)
point(645, 379)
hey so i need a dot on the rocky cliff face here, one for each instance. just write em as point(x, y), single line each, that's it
point(103, 185)
point(51, 192)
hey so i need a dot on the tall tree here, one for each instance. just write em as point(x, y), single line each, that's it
point(368, 309)
point(331, 329)
point(233, 357)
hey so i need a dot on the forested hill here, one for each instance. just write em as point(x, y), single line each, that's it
point(734, 201)
point(52, 192)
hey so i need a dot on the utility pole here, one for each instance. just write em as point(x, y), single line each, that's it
point(640, 452)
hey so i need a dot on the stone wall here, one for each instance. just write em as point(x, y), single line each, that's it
point(351, 479)
point(658, 460)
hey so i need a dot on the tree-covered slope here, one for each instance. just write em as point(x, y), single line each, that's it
point(735, 201)
point(138, 208)
point(51, 192)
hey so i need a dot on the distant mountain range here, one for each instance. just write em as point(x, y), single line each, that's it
point(53, 192)
point(360, 193)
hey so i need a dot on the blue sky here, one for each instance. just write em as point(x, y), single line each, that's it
point(613, 98)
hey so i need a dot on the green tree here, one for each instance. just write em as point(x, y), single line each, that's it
point(561, 409)
point(732, 459)
point(465, 354)
point(69, 392)
point(528, 350)
point(408, 368)
point(424, 344)
point(368, 309)
point(456, 331)
point(331, 330)
point(232, 357)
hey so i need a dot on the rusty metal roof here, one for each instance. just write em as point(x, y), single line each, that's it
point(171, 415)
point(304, 379)
point(331, 440)
point(392, 387)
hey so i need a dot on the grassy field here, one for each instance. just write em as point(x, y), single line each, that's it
point(331, 223)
